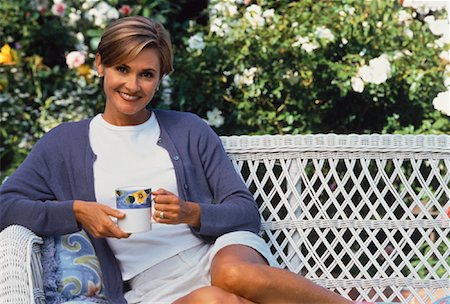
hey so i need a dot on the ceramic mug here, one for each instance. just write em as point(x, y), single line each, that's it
point(136, 203)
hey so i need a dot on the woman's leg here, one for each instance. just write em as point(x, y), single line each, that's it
point(241, 270)
point(211, 295)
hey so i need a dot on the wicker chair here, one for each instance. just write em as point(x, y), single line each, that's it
point(363, 215)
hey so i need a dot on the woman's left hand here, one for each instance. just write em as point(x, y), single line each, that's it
point(170, 209)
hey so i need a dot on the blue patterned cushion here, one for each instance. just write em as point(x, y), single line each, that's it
point(80, 276)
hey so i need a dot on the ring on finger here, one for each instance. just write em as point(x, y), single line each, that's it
point(161, 215)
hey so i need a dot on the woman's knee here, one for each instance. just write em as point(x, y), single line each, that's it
point(233, 266)
point(227, 276)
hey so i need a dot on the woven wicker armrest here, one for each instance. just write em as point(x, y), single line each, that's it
point(20, 266)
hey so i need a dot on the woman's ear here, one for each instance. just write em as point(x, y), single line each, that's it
point(98, 65)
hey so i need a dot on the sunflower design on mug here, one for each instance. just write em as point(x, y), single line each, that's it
point(133, 198)
point(140, 197)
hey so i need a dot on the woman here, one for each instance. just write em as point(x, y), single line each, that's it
point(203, 247)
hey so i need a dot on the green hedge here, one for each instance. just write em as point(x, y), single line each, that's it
point(253, 67)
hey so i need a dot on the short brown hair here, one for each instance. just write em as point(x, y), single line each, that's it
point(125, 38)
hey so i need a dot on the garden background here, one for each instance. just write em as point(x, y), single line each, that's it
point(246, 67)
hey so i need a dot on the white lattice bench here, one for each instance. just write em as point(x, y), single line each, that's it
point(364, 215)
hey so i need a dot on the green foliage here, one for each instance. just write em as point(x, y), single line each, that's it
point(37, 88)
point(256, 67)
point(300, 58)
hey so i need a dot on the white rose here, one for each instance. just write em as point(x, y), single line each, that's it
point(407, 32)
point(112, 13)
point(74, 17)
point(381, 69)
point(254, 16)
point(425, 6)
point(247, 77)
point(324, 33)
point(300, 41)
point(196, 43)
point(442, 102)
point(309, 47)
point(404, 16)
point(437, 27)
point(445, 55)
point(101, 14)
point(366, 73)
point(219, 28)
point(357, 84)
point(270, 13)
point(215, 118)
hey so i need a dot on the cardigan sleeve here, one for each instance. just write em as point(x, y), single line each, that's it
point(28, 196)
point(233, 208)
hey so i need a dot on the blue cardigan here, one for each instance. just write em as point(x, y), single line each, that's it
point(59, 169)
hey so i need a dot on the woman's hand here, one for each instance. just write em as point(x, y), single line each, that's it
point(95, 218)
point(170, 209)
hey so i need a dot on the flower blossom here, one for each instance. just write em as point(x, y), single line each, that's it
point(196, 43)
point(219, 27)
point(404, 17)
point(74, 17)
point(445, 55)
point(357, 84)
point(6, 55)
point(125, 10)
point(84, 70)
point(254, 16)
point(424, 7)
point(324, 33)
point(246, 78)
point(439, 27)
point(59, 8)
point(75, 59)
point(215, 118)
point(269, 13)
point(87, 4)
point(224, 9)
point(377, 72)
point(442, 102)
point(305, 43)
point(101, 14)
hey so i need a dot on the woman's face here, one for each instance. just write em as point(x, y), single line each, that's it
point(129, 87)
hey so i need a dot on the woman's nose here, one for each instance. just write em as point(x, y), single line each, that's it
point(132, 83)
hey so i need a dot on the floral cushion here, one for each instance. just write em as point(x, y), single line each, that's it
point(79, 273)
point(78, 278)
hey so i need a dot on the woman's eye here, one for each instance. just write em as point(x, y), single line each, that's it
point(121, 69)
point(147, 74)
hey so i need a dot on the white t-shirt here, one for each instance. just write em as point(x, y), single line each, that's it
point(130, 156)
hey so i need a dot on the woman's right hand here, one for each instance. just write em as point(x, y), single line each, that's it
point(95, 218)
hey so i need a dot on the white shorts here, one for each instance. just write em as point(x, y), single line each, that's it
point(189, 270)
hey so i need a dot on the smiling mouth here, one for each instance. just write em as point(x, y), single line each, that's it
point(129, 97)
